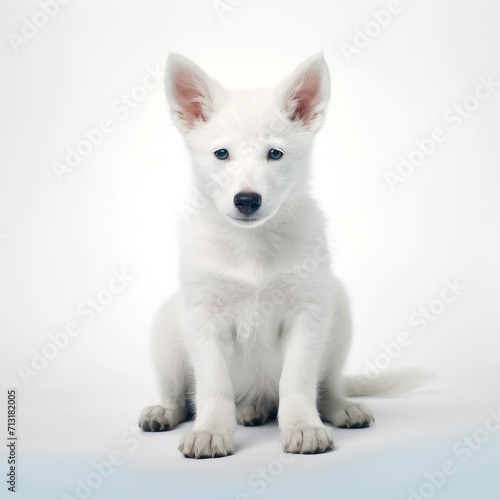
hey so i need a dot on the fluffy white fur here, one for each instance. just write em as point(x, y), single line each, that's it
point(260, 324)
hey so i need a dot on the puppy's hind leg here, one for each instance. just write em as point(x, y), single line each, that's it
point(334, 406)
point(169, 360)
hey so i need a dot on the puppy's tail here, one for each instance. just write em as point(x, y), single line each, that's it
point(392, 382)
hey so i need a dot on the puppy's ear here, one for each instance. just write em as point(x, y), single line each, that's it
point(191, 93)
point(306, 93)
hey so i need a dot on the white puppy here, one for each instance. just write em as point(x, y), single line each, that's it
point(260, 325)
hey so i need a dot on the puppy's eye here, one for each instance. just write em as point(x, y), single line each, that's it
point(222, 154)
point(274, 154)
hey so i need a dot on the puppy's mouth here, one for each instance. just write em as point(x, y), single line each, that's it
point(246, 221)
point(243, 219)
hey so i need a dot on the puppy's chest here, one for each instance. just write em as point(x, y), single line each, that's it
point(245, 302)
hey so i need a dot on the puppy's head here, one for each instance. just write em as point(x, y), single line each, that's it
point(250, 148)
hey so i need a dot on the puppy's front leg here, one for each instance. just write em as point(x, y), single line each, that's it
point(301, 428)
point(213, 432)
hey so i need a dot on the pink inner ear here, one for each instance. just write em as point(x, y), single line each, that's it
point(190, 94)
point(304, 96)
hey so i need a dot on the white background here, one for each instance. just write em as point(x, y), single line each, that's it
point(60, 241)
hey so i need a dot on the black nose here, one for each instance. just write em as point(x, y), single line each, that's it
point(247, 203)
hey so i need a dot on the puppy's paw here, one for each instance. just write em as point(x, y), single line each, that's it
point(203, 444)
point(306, 439)
point(158, 418)
point(252, 415)
point(351, 415)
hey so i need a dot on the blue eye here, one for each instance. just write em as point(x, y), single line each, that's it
point(274, 154)
point(222, 154)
